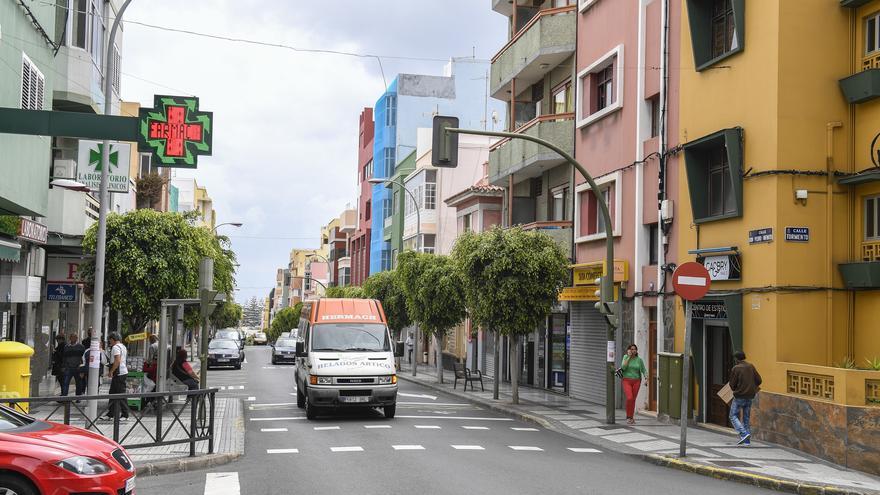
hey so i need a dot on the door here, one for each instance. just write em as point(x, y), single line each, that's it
point(588, 357)
point(652, 359)
point(719, 360)
point(529, 362)
point(557, 352)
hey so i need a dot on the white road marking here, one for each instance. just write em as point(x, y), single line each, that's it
point(278, 451)
point(272, 429)
point(286, 418)
point(250, 399)
point(254, 406)
point(321, 428)
point(346, 449)
point(417, 396)
point(475, 427)
point(427, 427)
point(407, 447)
point(579, 449)
point(377, 426)
point(467, 447)
point(524, 429)
point(469, 418)
point(222, 484)
point(431, 404)
point(525, 447)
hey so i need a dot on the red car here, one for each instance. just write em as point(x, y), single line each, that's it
point(42, 458)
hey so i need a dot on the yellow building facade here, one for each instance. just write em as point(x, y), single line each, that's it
point(779, 179)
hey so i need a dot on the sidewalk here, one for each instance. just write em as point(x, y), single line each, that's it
point(710, 453)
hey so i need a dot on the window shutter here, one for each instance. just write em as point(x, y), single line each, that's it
point(25, 83)
point(40, 86)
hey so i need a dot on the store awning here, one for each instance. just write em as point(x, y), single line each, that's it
point(10, 251)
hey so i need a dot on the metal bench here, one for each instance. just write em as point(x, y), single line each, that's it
point(466, 375)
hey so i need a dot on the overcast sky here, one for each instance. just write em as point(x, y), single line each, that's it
point(286, 122)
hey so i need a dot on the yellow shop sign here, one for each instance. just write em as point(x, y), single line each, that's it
point(587, 273)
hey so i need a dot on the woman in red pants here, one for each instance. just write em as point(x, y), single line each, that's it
point(633, 371)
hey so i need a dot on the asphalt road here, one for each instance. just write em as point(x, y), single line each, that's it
point(437, 444)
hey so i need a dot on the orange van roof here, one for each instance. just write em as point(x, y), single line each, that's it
point(347, 311)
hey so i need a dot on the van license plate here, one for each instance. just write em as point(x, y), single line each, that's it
point(360, 398)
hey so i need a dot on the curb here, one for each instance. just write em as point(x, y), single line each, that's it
point(758, 480)
point(186, 464)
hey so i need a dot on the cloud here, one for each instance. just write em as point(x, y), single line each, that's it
point(286, 123)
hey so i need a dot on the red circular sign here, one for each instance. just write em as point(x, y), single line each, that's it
point(691, 281)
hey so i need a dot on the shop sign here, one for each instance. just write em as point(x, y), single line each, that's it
point(797, 234)
point(587, 273)
point(33, 231)
point(175, 131)
point(63, 270)
point(726, 267)
point(761, 236)
point(709, 310)
point(578, 294)
point(875, 150)
point(61, 292)
point(89, 165)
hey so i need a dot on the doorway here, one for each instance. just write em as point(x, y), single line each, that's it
point(557, 352)
point(719, 360)
point(652, 359)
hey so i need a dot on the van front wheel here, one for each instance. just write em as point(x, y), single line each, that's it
point(389, 411)
point(311, 410)
point(300, 399)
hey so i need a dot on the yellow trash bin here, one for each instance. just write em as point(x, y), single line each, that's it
point(15, 371)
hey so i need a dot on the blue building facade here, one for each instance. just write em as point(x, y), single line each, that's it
point(409, 103)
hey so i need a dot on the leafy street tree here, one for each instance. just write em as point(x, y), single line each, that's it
point(385, 287)
point(434, 296)
point(226, 315)
point(513, 278)
point(285, 320)
point(347, 292)
point(155, 255)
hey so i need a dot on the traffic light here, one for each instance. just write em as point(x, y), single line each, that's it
point(606, 304)
point(444, 145)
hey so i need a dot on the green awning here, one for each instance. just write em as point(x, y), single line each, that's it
point(10, 251)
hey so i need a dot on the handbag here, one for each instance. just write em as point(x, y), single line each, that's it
point(618, 372)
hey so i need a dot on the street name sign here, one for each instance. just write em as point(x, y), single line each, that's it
point(61, 292)
point(175, 131)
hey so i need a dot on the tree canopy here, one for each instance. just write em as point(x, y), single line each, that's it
point(347, 292)
point(155, 255)
point(285, 320)
point(384, 286)
point(226, 315)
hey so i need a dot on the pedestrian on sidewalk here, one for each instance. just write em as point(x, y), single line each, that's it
point(183, 371)
point(409, 347)
point(632, 372)
point(118, 374)
point(744, 383)
point(58, 359)
point(71, 359)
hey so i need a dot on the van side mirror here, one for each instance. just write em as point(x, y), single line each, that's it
point(398, 349)
point(301, 349)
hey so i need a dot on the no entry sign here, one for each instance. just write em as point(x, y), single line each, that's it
point(691, 281)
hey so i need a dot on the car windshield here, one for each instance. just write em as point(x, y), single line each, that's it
point(222, 344)
point(228, 335)
point(350, 337)
point(285, 343)
point(10, 420)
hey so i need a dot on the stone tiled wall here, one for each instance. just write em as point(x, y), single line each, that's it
point(849, 436)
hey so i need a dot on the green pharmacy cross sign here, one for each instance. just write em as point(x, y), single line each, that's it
point(175, 131)
point(95, 158)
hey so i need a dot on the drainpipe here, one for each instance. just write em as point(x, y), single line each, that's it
point(829, 240)
point(639, 320)
point(661, 193)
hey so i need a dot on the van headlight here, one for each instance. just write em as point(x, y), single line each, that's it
point(388, 380)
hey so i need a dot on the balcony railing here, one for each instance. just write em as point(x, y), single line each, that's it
point(525, 157)
point(543, 43)
point(559, 231)
point(871, 251)
point(864, 274)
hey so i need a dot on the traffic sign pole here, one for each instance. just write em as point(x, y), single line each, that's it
point(685, 378)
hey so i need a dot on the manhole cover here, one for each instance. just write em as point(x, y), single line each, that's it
point(735, 464)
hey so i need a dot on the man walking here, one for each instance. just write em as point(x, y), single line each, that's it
point(409, 347)
point(745, 383)
point(71, 360)
point(118, 373)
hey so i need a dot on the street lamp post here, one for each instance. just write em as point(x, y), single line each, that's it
point(101, 247)
point(203, 341)
point(418, 246)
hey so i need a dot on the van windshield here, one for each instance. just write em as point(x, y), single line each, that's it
point(350, 337)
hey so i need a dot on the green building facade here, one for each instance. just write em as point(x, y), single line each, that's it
point(394, 222)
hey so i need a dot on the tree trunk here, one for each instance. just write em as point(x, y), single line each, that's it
point(415, 356)
point(438, 337)
point(497, 365)
point(517, 367)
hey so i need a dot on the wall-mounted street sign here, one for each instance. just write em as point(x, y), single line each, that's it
point(797, 234)
point(61, 292)
point(88, 165)
point(175, 131)
point(724, 267)
point(761, 235)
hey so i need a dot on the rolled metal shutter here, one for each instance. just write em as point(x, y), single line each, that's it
point(588, 353)
point(489, 354)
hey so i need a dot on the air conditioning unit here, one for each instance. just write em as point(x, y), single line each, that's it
point(64, 169)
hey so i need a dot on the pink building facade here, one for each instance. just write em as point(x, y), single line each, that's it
point(359, 242)
point(626, 100)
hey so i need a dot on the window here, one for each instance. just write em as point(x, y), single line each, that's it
point(390, 159)
point(716, 30)
point(115, 73)
point(390, 110)
point(80, 26)
point(386, 208)
point(144, 167)
point(713, 165)
point(367, 209)
point(33, 85)
point(368, 170)
point(589, 223)
point(562, 98)
point(872, 218)
point(386, 260)
point(872, 34)
point(560, 204)
point(344, 276)
point(96, 47)
point(395, 202)
point(600, 88)
point(600, 217)
point(653, 243)
point(654, 103)
point(467, 224)
point(428, 241)
point(430, 199)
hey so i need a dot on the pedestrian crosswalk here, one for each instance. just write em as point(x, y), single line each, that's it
point(384, 427)
point(358, 448)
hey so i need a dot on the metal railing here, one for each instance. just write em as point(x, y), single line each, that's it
point(154, 424)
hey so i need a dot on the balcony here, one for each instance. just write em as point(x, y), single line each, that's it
point(560, 232)
point(865, 85)
point(526, 159)
point(542, 44)
point(864, 274)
